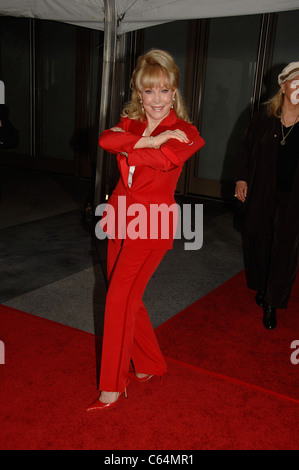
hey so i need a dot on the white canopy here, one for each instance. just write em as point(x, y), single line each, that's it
point(137, 14)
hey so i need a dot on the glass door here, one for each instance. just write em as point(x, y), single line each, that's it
point(230, 61)
point(15, 60)
point(52, 74)
point(58, 87)
point(285, 47)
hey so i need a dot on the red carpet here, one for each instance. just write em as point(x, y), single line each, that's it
point(49, 377)
point(223, 333)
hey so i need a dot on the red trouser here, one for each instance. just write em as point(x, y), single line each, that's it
point(128, 333)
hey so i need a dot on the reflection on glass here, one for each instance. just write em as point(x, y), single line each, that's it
point(231, 62)
point(15, 73)
point(58, 89)
point(171, 37)
point(286, 46)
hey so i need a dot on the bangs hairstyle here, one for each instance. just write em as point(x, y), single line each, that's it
point(152, 75)
point(155, 68)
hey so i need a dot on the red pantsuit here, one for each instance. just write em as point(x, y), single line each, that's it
point(128, 333)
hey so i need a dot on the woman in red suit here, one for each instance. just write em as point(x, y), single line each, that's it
point(152, 141)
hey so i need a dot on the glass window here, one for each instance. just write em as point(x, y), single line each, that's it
point(15, 73)
point(230, 71)
point(286, 45)
point(171, 37)
point(58, 56)
point(97, 43)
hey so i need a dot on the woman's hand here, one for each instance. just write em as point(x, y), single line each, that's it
point(177, 134)
point(160, 139)
point(241, 190)
point(117, 129)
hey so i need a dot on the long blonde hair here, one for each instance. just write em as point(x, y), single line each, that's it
point(152, 68)
point(274, 105)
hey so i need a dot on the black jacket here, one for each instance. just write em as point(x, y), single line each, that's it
point(257, 166)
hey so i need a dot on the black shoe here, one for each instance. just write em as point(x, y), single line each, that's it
point(259, 298)
point(269, 319)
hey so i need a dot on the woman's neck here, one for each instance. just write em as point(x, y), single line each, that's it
point(290, 113)
point(151, 126)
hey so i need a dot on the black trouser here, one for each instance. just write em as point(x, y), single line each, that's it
point(273, 257)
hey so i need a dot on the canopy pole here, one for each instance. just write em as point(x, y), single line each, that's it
point(109, 54)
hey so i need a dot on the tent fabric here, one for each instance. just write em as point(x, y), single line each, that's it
point(136, 14)
point(87, 13)
point(145, 13)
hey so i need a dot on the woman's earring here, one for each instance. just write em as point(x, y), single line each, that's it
point(173, 99)
point(142, 106)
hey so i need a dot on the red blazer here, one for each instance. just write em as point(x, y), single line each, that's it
point(154, 181)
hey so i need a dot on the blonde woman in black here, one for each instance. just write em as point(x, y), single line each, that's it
point(268, 185)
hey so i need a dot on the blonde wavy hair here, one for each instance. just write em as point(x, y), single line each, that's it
point(154, 68)
point(274, 105)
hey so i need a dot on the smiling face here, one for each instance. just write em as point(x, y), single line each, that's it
point(157, 102)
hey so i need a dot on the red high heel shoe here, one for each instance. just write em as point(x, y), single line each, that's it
point(98, 405)
point(141, 380)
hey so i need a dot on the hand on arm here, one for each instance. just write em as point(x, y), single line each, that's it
point(117, 129)
point(163, 151)
point(118, 140)
point(160, 139)
point(171, 149)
